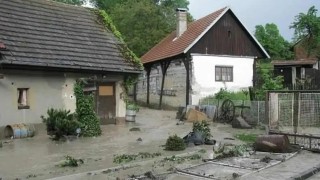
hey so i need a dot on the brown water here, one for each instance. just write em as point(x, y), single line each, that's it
point(40, 156)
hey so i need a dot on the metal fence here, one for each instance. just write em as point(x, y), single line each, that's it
point(252, 111)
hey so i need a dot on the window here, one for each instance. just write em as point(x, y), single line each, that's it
point(23, 98)
point(224, 73)
point(229, 34)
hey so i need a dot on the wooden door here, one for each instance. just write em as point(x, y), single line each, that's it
point(106, 103)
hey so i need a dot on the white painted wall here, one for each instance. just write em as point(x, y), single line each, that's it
point(203, 80)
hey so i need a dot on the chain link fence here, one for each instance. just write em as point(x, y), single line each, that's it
point(294, 111)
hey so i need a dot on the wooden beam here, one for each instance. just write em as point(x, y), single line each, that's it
point(186, 62)
point(148, 69)
point(164, 67)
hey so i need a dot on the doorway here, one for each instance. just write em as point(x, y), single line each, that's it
point(106, 103)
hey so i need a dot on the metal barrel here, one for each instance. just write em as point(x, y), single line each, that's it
point(17, 131)
point(272, 143)
point(130, 116)
point(23, 130)
point(12, 131)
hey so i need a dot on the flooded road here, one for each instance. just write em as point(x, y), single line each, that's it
point(39, 157)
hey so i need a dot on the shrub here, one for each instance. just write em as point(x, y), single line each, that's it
point(71, 162)
point(203, 128)
point(132, 106)
point(226, 94)
point(60, 122)
point(175, 143)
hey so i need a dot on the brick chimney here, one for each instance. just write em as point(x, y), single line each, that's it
point(181, 21)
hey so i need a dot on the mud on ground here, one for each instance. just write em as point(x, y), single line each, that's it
point(39, 157)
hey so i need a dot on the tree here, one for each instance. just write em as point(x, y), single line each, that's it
point(74, 2)
point(142, 23)
point(273, 42)
point(107, 5)
point(307, 28)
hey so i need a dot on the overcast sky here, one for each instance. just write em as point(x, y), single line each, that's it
point(256, 12)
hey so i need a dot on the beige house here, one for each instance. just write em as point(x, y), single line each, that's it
point(45, 47)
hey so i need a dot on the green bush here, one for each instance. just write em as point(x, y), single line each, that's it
point(175, 143)
point(60, 122)
point(202, 127)
point(226, 94)
point(132, 106)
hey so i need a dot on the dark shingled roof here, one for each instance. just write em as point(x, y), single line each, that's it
point(50, 34)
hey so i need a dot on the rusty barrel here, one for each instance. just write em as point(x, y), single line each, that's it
point(272, 143)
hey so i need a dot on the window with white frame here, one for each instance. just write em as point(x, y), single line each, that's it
point(224, 73)
point(23, 99)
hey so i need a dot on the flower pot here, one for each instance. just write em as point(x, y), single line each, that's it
point(131, 115)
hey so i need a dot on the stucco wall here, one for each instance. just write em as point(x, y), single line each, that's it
point(46, 90)
point(175, 80)
point(204, 83)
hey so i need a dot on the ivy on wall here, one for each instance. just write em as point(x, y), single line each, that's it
point(85, 112)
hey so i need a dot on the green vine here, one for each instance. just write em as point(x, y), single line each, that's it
point(126, 52)
point(85, 112)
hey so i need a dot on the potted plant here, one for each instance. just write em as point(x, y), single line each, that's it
point(131, 111)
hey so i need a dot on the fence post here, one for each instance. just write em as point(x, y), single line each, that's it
point(258, 112)
point(267, 109)
point(295, 114)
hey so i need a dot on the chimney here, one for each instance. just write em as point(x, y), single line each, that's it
point(181, 21)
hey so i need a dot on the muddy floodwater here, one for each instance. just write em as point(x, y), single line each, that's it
point(39, 157)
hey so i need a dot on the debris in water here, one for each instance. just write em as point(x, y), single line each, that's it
point(266, 159)
point(149, 175)
point(227, 138)
point(71, 162)
point(135, 129)
point(235, 175)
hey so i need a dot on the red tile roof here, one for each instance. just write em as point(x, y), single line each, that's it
point(170, 46)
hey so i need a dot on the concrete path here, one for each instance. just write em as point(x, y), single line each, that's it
point(286, 170)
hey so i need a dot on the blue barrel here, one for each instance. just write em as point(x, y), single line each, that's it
point(16, 131)
point(23, 130)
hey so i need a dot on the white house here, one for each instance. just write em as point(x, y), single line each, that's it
point(198, 59)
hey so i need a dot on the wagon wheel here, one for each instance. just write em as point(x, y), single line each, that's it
point(227, 111)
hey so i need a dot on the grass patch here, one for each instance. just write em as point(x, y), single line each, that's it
point(248, 138)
